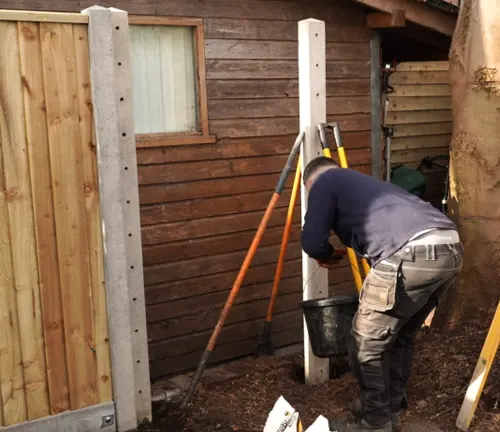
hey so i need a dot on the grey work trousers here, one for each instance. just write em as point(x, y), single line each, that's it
point(397, 296)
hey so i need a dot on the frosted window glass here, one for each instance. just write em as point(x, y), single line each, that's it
point(164, 79)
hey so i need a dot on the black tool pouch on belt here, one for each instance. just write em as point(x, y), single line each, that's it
point(379, 291)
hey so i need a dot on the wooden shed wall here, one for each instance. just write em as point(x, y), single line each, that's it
point(419, 110)
point(200, 205)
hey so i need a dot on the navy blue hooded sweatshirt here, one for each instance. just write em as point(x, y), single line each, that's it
point(373, 217)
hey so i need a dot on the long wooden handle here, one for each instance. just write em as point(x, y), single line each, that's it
point(284, 242)
point(243, 270)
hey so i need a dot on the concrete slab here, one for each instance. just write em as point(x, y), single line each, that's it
point(182, 381)
point(169, 396)
point(100, 418)
point(217, 375)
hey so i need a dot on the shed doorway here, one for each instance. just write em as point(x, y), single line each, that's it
point(416, 110)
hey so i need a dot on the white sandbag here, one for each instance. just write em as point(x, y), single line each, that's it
point(320, 425)
point(283, 418)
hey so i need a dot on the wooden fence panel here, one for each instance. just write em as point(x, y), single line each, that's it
point(92, 210)
point(38, 149)
point(419, 110)
point(22, 233)
point(58, 53)
point(13, 399)
point(54, 347)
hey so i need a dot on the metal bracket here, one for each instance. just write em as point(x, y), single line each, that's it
point(388, 132)
point(335, 128)
point(386, 87)
point(323, 139)
point(108, 420)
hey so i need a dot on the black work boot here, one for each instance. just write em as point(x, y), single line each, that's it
point(395, 420)
point(357, 426)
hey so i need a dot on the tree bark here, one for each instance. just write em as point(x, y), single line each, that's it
point(475, 160)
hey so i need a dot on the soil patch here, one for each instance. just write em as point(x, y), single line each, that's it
point(442, 370)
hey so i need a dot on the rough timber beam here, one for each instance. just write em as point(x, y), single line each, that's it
point(383, 20)
point(418, 13)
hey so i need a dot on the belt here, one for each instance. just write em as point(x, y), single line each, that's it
point(430, 251)
point(435, 236)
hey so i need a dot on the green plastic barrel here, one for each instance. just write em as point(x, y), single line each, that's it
point(409, 179)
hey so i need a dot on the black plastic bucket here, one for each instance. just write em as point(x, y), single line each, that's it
point(329, 322)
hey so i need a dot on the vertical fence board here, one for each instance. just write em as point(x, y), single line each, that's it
point(89, 166)
point(11, 373)
point(58, 53)
point(36, 133)
point(23, 244)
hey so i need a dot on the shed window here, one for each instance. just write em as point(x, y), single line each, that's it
point(168, 78)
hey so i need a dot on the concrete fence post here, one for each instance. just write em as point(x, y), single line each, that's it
point(312, 99)
point(111, 82)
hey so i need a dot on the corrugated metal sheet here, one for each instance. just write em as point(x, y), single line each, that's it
point(448, 5)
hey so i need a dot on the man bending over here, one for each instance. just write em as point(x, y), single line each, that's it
point(415, 254)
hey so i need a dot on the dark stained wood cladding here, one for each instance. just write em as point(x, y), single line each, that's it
point(284, 69)
point(273, 29)
point(278, 88)
point(235, 128)
point(339, 11)
point(272, 50)
point(259, 108)
point(201, 204)
point(237, 148)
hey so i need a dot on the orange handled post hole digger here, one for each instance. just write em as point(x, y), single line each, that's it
point(244, 268)
point(264, 343)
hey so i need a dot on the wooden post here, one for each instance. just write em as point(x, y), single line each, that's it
point(312, 95)
point(114, 128)
point(480, 375)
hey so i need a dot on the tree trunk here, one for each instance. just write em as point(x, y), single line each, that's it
point(475, 159)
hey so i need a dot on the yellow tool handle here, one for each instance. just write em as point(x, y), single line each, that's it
point(350, 253)
point(353, 259)
point(342, 157)
point(366, 266)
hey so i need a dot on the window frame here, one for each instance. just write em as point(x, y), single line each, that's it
point(162, 139)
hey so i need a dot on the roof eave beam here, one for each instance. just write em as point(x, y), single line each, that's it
point(418, 13)
point(383, 20)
